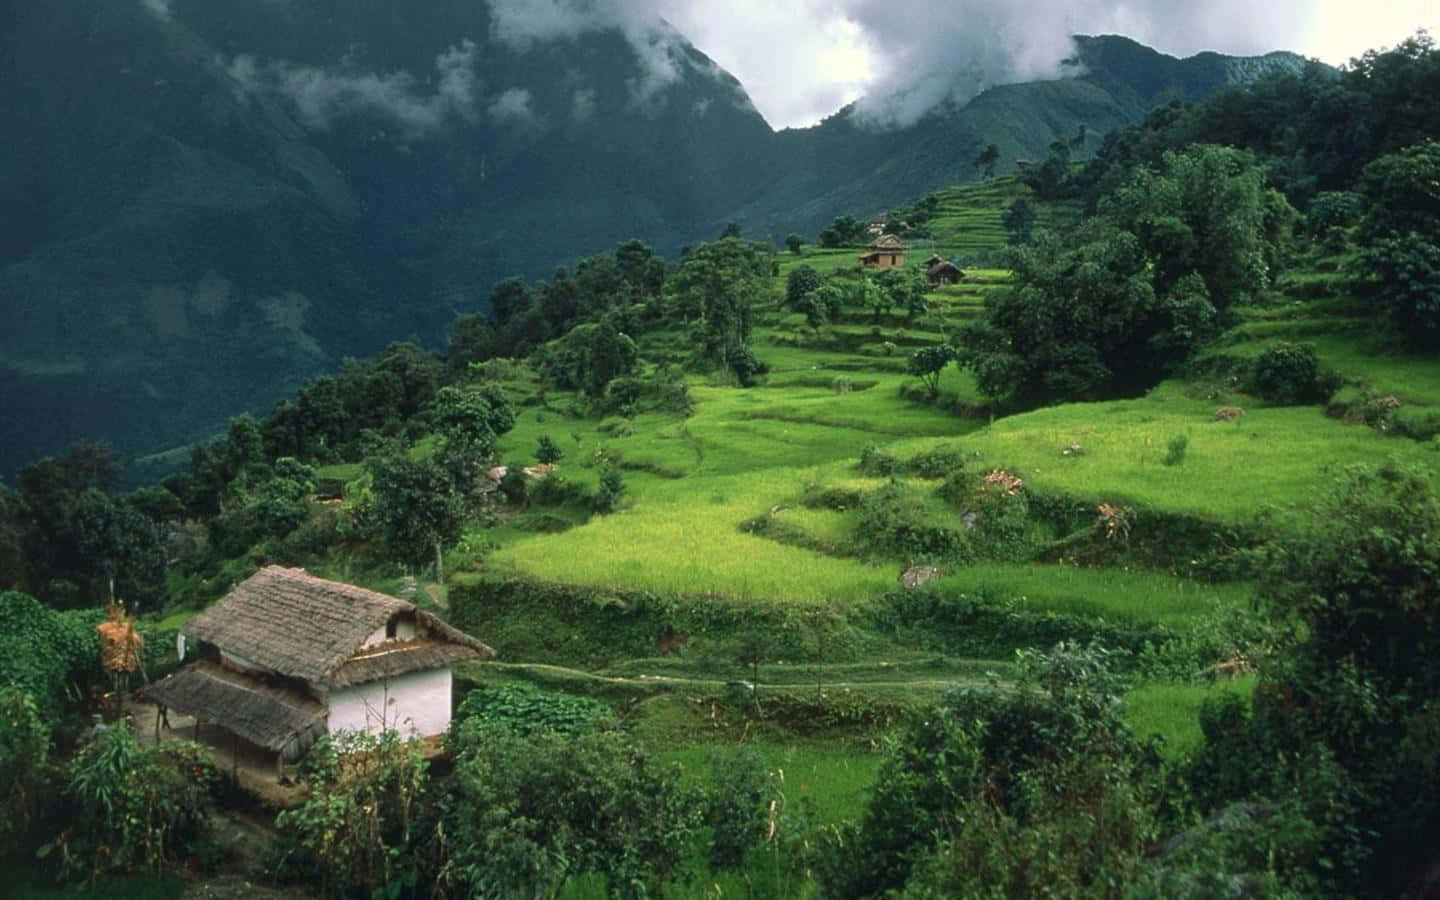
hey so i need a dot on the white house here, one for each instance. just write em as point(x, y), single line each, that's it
point(287, 657)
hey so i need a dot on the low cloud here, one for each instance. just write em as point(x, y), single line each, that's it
point(158, 8)
point(320, 96)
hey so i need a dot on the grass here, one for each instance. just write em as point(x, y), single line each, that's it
point(1173, 711)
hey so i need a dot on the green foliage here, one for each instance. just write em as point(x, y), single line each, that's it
point(894, 522)
point(714, 288)
point(794, 242)
point(589, 356)
point(876, 463)
point(612, 488)
point(355, 831)
point(135, 808)
point(928, 363)
point(24, 763)
point(528, 812)
point(843, 231)
point(737, 805)
point(1009, 793)
point(1287, 373)
point(1402, 227)
point(1019, 220)
point(547, 452)
point(43, 652)
point(418, 506)
point(802, 280)
point(1175, 450)
point(526, 710)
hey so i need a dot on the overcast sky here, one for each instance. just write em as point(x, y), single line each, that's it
point(801, 60)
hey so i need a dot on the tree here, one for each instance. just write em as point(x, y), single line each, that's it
point(801, 281)
point(509, 298)
point(713, 288)
point(547, 452)
point(1204, 210)
point(472, 339)
point(1401, 231)
point(1078, 323)
point(928, 363)
point(987, 159)
point(419, 507)
point(1019, 220)
point(1355, 577)
point(794, 242)
point(842, 231)
point(590, 356)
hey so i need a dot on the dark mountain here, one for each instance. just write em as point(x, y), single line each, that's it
point(208, 201)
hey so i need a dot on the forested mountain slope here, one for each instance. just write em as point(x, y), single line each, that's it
point(211, 200)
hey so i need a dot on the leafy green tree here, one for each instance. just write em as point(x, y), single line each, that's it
point(121, 548)
point(547, 452)
point(801, 281)
point(1357, 577)
point(508, 299)
point(1019, 221)
point(44, 652)
point(419, 507)
point(1077, 324)
point(928, 363)
point(713, 288)
point(1401, 256)
point(842, 231)
point(590, 356)
point(1040, 789)
point(24, 763)
point(1203, 211)
point(640, 268)
point(472, 339)
point(794, 242)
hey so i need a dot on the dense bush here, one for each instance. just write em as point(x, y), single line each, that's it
point(894, 522)
point(1013, 793)
point(1287, 373)
point(526, 813)
point(132, 808)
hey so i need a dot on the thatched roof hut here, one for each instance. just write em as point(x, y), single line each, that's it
point(286, 656)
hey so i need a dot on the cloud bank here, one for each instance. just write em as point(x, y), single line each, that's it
point(803, 59)
point(322, 96)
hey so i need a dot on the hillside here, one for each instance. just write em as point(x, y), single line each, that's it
point(238, 195)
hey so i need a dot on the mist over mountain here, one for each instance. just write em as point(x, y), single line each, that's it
point(209, 201)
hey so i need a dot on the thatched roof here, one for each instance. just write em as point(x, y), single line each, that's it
point(305, 627)
point(262, 714)
point(887, 242)
point(945, 266)
point(392, 659)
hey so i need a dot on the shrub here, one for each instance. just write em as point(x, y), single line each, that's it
point(526, 813)
point(355, 831)
point(1175, 450)
point(526, 710)
point(547, 452)
point(24, 756)
point(612, 486)
point(937, 462)
point(892, 522)
point(876, 462)
point(1287, 373)
point(135, 808)
point(553, 490)
point(736, 807)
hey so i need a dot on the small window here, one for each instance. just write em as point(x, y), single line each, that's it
point(390, 629)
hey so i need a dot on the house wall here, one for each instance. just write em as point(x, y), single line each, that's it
point(404, 631)
point(414, 703)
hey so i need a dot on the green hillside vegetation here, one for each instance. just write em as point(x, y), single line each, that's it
point(1108, 571)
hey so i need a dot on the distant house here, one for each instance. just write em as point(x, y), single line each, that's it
point(287, 657)
point(943, 272)
point(885, 252)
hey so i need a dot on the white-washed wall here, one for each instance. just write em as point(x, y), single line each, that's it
point(404, 631)
point(413, 703)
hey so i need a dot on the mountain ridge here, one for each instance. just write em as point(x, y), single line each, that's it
point(216, 204)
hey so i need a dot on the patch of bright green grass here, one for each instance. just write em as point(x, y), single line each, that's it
point(1231, 470)
point(1173, 710)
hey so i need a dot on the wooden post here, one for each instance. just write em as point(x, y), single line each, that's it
point(279, 764)
point(159, 711)
point(197, 729)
